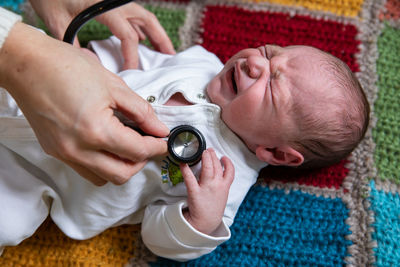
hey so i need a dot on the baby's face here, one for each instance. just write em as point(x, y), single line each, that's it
point(257, 87)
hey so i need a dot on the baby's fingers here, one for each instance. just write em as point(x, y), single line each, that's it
point(229, 169)
point(207, 166)
point(189, 178)
point(217, 172)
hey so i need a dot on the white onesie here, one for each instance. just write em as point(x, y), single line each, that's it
point(33, 184)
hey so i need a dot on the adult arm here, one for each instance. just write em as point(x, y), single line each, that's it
point(129, 23)
point(69, 100)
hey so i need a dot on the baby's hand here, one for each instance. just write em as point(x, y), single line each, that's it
point(207, 197)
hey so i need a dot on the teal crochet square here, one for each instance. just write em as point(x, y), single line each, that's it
point(13, 5)
point(274, 228)
point(386, 209)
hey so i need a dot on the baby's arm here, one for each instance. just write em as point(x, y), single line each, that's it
point(207, 197)
point(165, 228)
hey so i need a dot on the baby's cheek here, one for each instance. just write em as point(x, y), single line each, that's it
point(245, 109)
point(253, 100)
point(214, 90)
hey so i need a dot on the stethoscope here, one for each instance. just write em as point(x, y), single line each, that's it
point(185, 142)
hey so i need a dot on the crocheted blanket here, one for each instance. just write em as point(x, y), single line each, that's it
point(346, 214)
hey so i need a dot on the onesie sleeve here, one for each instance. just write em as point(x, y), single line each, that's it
point(167, 233)
point(7, 21)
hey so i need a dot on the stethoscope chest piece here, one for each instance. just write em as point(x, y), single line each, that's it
point(186, 144)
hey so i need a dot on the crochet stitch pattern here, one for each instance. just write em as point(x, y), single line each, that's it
point(347, 214)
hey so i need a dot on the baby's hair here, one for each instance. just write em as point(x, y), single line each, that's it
point(325, 140)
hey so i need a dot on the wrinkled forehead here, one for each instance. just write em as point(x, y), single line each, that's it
point(310, 73)
point(301, 49)
point(300, 57)
point(307, 67)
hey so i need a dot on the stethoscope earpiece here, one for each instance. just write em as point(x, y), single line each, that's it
point(185, 145)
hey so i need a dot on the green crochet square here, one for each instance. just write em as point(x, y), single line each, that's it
point(386, 134)
point(171, 19)
point(93, 30)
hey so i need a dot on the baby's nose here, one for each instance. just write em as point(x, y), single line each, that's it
point(256, 66)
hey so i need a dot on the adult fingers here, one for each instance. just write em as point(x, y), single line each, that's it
point(129, 48)
point(106, 166)
point(139, 32)
point(138, 110)
point(130, 25)
point(87, 174)
point(107, 133)
point(129, 37)
point(76, 42)
point(118, 24)
point(156, 34)
point(127, 143)
point(122, 29)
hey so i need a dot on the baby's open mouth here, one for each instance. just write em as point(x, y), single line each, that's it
point(233, 81)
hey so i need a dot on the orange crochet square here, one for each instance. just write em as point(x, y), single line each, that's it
point(391, 10)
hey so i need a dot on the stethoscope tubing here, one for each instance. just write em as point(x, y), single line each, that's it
point(89, 13)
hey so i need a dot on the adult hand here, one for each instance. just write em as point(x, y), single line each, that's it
point(207, 197)
point(69, 100)
point(130, 23)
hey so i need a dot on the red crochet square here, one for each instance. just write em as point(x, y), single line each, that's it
point(230, 29)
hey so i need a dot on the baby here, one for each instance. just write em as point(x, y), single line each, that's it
point(294, 106)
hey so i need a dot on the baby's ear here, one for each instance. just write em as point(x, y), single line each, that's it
point(284, 155)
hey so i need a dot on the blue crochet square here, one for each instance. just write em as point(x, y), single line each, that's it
point(386, 209)
point(273, 228)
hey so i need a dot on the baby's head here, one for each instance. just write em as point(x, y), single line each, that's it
point(293, 106)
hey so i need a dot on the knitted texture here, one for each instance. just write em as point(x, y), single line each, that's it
point(387, 105)
point(347, 214)
point(279, 28)
point(345, 7)
point(93, 30)
point(331, 177)
point(386, 210)
point(294, 229)
point(13, 5)
point(392, 10)
point(50, 247)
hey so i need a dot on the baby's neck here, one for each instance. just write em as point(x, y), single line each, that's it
point(177, 100)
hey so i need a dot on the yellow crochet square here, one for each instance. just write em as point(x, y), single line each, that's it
point(349, 8)
point(50, 247)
